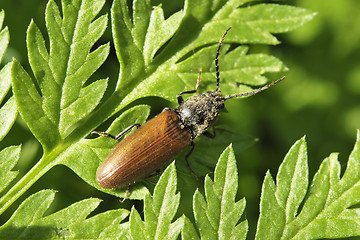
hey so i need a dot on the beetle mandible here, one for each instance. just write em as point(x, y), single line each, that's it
point(160, 139)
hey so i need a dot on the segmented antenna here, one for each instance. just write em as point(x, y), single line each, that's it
point(256, 90)
point(217, 60)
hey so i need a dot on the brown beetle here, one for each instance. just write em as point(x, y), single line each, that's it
point(163, 137)
point(144, 151)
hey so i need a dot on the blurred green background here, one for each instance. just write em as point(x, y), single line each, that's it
point(319, 99)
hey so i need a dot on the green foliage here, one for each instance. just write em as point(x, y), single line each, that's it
point(8, 111)
point(159, 211)
point(61, 73)
point(218, 215)
point(9, 157)
point(28, 221)
point(61, 102)
point(57, 107)
point(329, 209)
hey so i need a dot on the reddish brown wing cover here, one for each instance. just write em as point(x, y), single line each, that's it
point(144, 151)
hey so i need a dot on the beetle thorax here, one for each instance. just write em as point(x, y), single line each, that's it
point(198, 112)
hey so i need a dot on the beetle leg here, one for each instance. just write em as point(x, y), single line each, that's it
point(103, 134)
point(127, 130)
point(117, 137)
point(209, 134)
point(127, 193)
point(157, 173)
point(187, 158)
point(180, 98)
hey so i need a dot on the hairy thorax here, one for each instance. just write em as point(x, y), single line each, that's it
point(198, 112)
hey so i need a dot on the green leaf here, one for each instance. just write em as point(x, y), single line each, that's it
point(5, 80)
point(273, 17)
point(9, 156)
point(330, 208)
point(157, 56)
point(30, 106)
point(31, 210)
point(247, 68)
point(89, 97)
point(141, 15)
point(292, 180)
point(119, 231)
point(254, 24)
point(28, 221)
point(8, 114)
point(159, 211)
point(61, 94)
point(188, 231)
point(144, 74)
point(137, 226)
point(159, 32)
point(4, 36)
point(8, 159)
point(280, 203)
point(8, 111)
point(128, 49)
point(99, 226)
point(60, 100)
point(217, 214)
point(270, 209)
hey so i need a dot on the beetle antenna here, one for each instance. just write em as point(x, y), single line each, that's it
point(217, 60)
point(256, 90)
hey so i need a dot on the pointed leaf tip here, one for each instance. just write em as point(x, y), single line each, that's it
point(218, 213)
